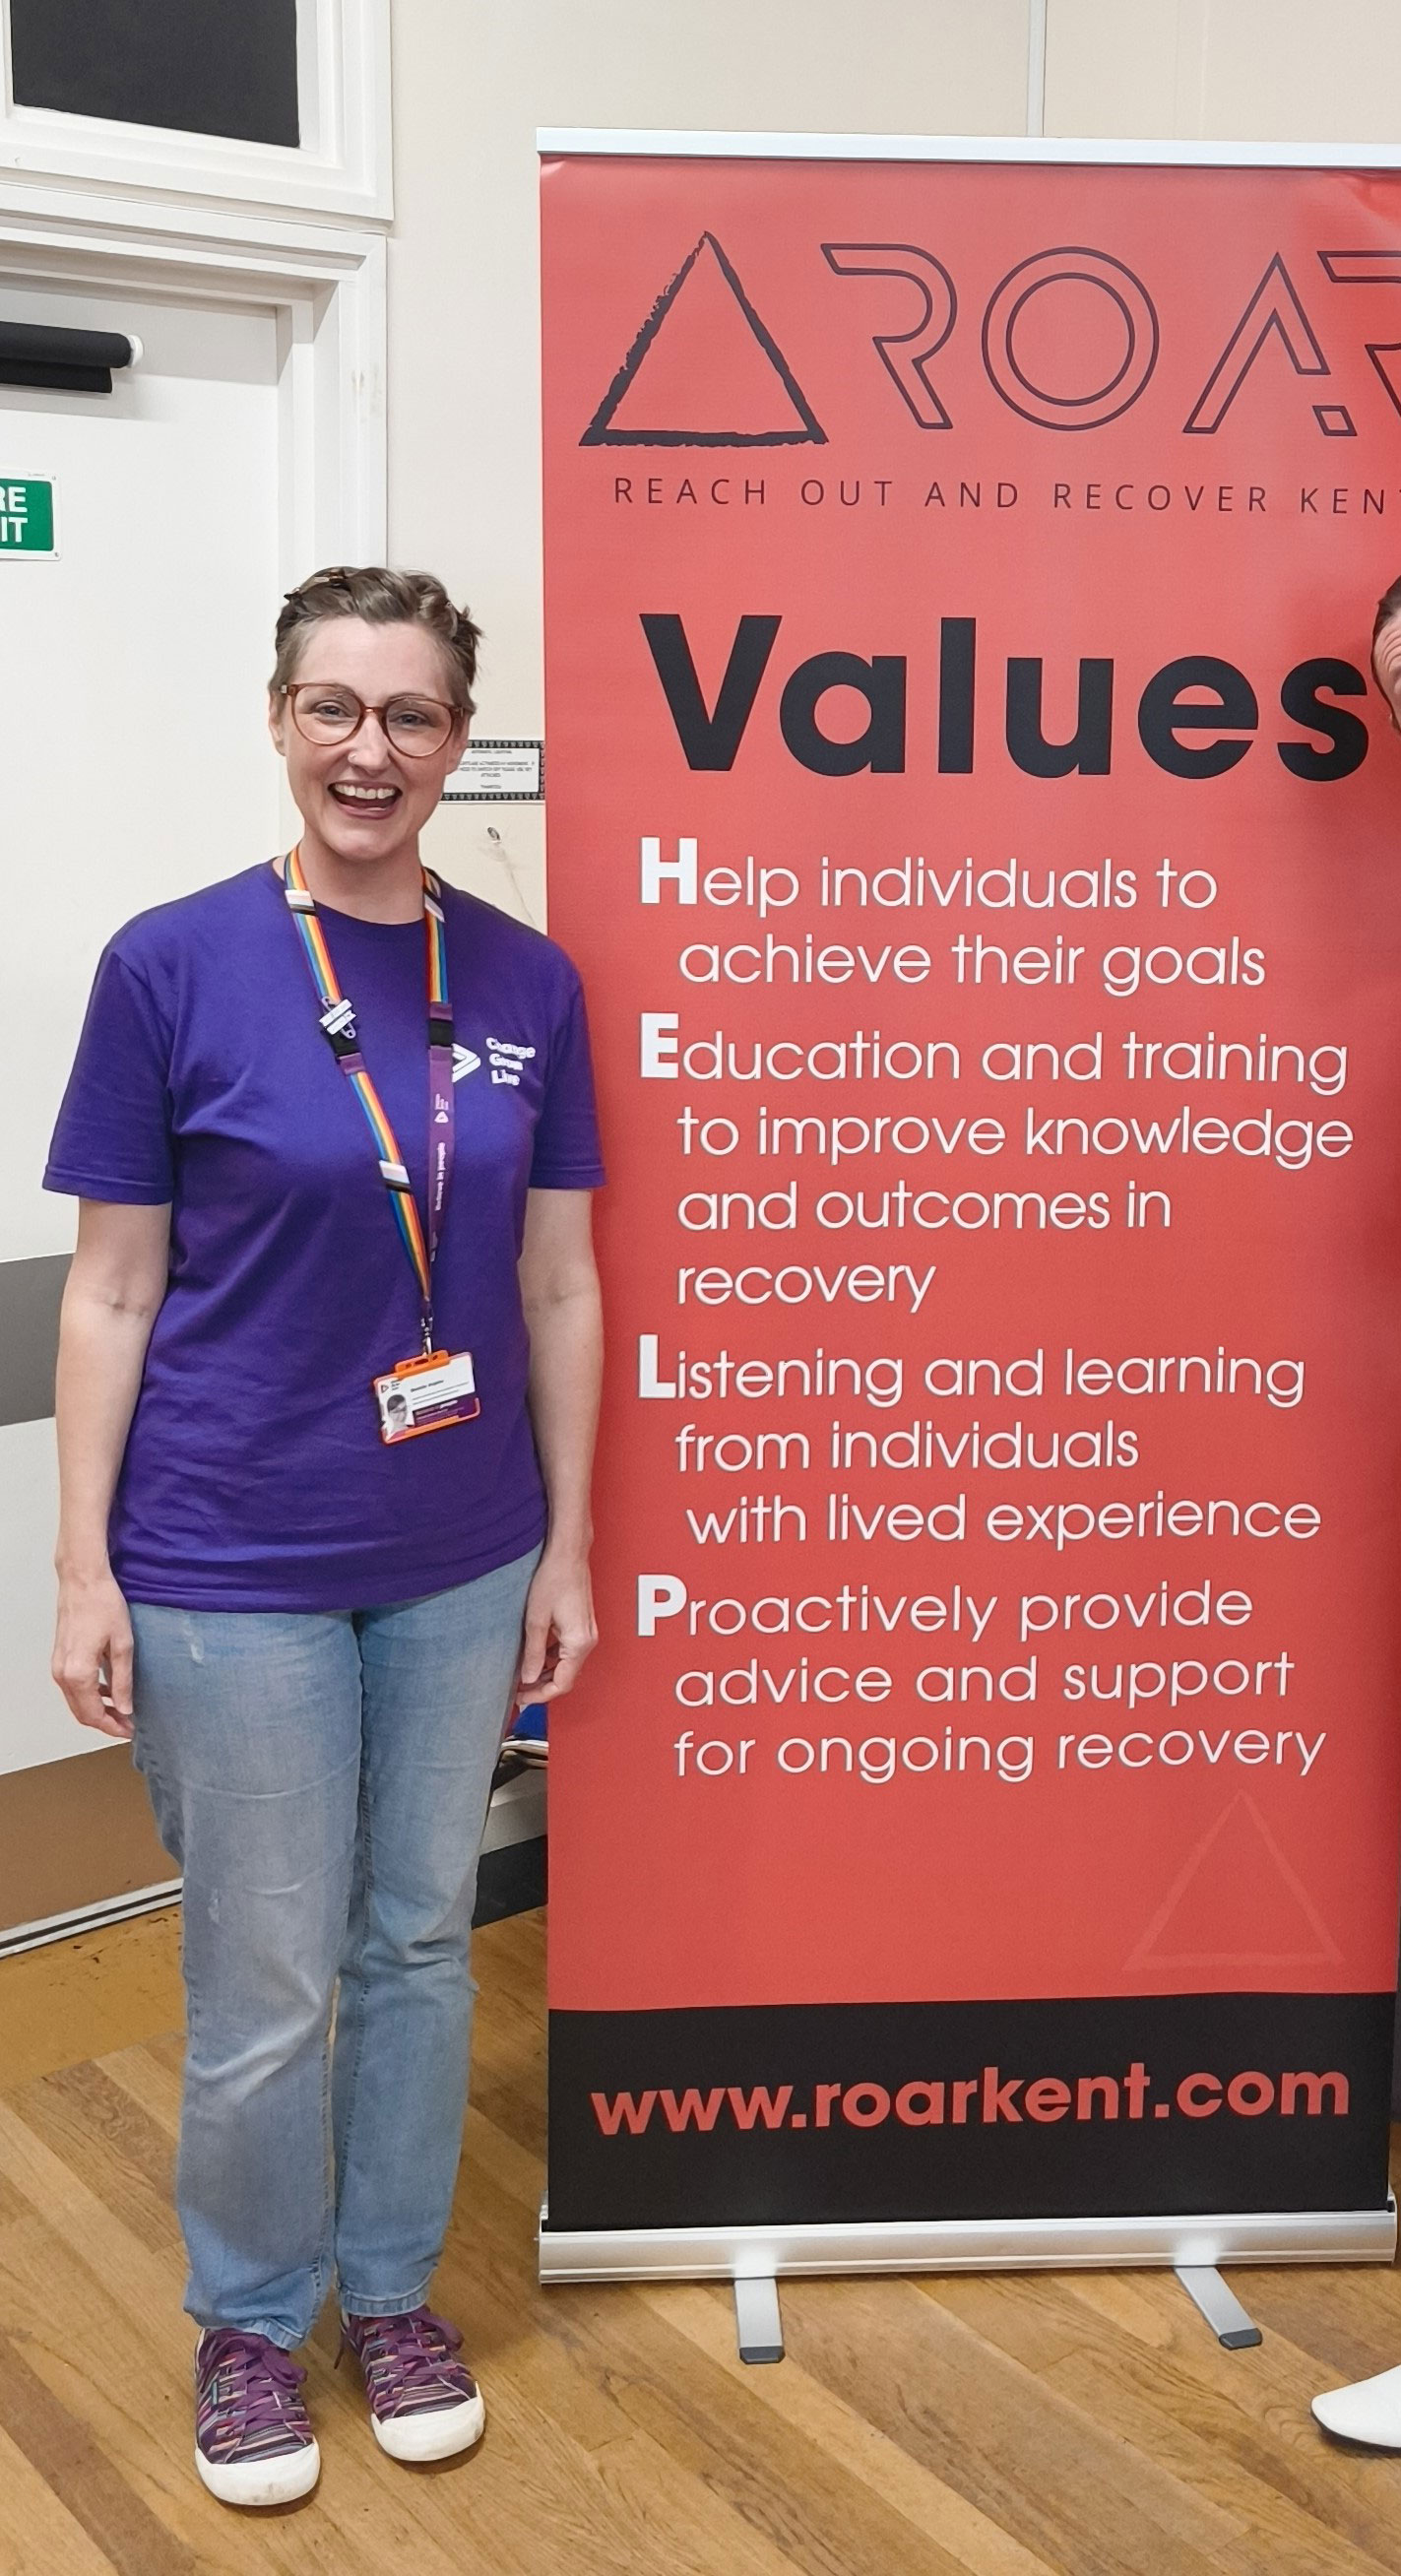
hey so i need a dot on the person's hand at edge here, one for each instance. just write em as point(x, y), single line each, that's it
point(559, 1629)
point(92, 1656)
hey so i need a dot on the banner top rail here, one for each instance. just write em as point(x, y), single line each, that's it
point(1110, 150)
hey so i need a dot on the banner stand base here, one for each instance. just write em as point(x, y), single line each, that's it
point(758, 2323)
point(1228, 2321)
point(754, 2254)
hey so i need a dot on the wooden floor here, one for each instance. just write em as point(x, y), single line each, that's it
point(1084, 2424)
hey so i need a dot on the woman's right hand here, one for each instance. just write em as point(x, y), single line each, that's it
point(93, 1653)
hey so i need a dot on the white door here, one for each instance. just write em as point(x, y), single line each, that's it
point(135, 767)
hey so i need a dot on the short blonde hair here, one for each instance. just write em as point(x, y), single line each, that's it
point(382, 598)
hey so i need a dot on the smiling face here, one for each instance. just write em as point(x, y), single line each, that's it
point(366, 800)
point(1386, 662)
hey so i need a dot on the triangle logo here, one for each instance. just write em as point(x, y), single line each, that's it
point(704, 371)
point(463, 1062)
point(1237, 1904)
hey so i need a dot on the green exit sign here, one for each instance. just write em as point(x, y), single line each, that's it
point(27, 520)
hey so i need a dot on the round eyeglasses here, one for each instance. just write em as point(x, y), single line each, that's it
point(323, 711)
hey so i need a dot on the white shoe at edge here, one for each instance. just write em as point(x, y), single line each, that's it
point(1369, 2410)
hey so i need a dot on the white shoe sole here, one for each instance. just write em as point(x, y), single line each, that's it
point(437, 2434)
point(254, 2484)
point(1368, 2411)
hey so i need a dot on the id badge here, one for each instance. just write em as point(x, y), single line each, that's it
point(429, 1394)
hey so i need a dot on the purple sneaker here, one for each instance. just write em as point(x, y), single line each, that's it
point(253, 2439)
point(424, 2404)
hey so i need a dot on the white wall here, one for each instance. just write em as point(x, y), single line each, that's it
point(472, 84)
point(473, 79)
point(1314, 71)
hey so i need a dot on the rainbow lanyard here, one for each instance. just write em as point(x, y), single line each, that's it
point(337, 1017)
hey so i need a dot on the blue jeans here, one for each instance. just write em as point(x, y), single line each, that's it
point(322, 1782)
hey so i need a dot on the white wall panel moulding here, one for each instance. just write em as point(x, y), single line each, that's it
point(328, 290)
point(342, 166)
point(1036, 66)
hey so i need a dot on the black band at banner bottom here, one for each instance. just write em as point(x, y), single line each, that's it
point(1101, 2107)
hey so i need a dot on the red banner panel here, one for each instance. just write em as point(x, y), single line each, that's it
point(976, 826)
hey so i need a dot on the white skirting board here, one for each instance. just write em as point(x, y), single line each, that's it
point(966, 2245)
point(516, 1815)
point(89, 1918)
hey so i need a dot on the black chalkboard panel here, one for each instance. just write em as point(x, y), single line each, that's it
point(205, 66)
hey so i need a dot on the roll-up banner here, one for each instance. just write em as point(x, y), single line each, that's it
point(969, 807)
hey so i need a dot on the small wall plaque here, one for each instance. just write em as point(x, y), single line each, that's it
point(498, 773)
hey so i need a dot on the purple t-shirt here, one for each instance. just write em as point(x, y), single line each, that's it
point(254, 1475)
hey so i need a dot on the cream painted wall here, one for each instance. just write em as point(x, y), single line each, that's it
point(474, 78)
point(1311, 71)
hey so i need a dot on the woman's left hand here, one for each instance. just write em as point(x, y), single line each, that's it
point(559, 1627)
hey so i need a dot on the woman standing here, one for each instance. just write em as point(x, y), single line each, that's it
point(328, 1378)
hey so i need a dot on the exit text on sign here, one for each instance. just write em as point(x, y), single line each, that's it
point(26, 516)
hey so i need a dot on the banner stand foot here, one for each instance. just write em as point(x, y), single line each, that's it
point(758, 2324)
point(1220, 2306)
